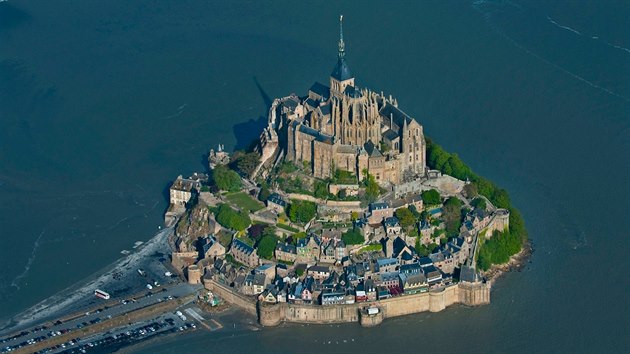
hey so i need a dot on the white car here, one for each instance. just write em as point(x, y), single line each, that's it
point(149, 286)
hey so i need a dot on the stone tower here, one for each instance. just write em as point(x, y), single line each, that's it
point(341, 76)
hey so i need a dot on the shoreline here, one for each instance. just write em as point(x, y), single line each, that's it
point(516, 263)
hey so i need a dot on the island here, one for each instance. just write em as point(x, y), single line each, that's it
point(343, 211)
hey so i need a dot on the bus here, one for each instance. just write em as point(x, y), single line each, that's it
point(101, 294)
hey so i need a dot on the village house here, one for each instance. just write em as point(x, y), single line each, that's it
point(332, 297)
point(308, 249)
point(392, 226)
point(444, 260)
point(182, 189)
point(244, 254)
point(386, 265)
point(378, 212)
point(211, 248)
point(258, 284)
point(268, 270)
point(285, 252)
point(276, 203)
point(413, 283)
point(319, 272)
point(433, 275)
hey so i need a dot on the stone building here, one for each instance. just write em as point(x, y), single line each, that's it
point(182, 189)
point(244, 254)
point(342, 126)
point(194, 274)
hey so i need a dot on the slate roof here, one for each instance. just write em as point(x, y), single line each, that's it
point(398, 116)
point(372, 150)
point(285, 247)
point(392, 221)
point(378, 206)
point(242, 246)
point(277, 199)
point(390, 135)
point(325, 109)
point(316, 134)
point(341, 71)
point(321, 90)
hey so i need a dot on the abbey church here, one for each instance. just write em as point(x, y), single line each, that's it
point(342, 126)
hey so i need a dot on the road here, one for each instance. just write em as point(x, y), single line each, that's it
point(157, 295)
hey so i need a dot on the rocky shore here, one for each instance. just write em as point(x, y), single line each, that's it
point(516, 263)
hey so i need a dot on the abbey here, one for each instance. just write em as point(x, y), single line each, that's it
point(342, 126)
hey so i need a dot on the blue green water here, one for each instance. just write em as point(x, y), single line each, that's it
point(102, 103)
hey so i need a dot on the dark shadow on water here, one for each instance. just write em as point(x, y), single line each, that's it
point(11, 16)
point(166, 194)
point(247, 133)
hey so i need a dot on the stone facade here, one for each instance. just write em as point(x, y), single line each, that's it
point(342, 126)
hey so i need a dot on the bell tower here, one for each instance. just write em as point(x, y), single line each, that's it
point(341, 76)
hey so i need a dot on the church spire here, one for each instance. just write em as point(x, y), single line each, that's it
point(341, 43)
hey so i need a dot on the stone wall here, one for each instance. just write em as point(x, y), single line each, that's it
point(229, 295)
point(465, 293)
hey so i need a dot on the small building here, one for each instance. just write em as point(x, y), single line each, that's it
point(211, 247)
point(308, 249)
point(181, 190)
point(269, 271)
point(413, 283)
point(392, 226)
point(286, 252)
point(433, 275)
point(411, 268)
point(258, 284)
point(332, 297)
point(276, 203)
point(378, 212)
point(444, 260)
point(319, 272)
point(387, 265)
point(244, 253)
point(383, 293)
point(194, 274)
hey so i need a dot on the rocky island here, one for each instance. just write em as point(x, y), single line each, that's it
point(343, 211)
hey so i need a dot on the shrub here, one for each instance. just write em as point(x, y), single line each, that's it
point(302, 211)
point(352, 237)
point(431, 197)
point(232, 219)
point(226, 179)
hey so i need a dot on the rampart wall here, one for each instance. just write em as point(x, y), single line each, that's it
point(434, 301)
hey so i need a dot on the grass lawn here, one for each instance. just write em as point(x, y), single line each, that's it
point(287, 227)
point(371, 248)
point(244, 201)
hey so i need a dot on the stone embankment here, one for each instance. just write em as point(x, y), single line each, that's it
point(470, 294)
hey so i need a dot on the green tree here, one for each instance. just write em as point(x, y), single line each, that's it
point(479, 203)
point(321, 190)
point(245, 162)
point(431, 197)
point(452, 216)
point(302, 211)
point(264, 193)
point(372, 190)
point(267, 246)
point(470, 190)
point(226, 179)
point(352, 237)
point(406, 218)
point(232, 219)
